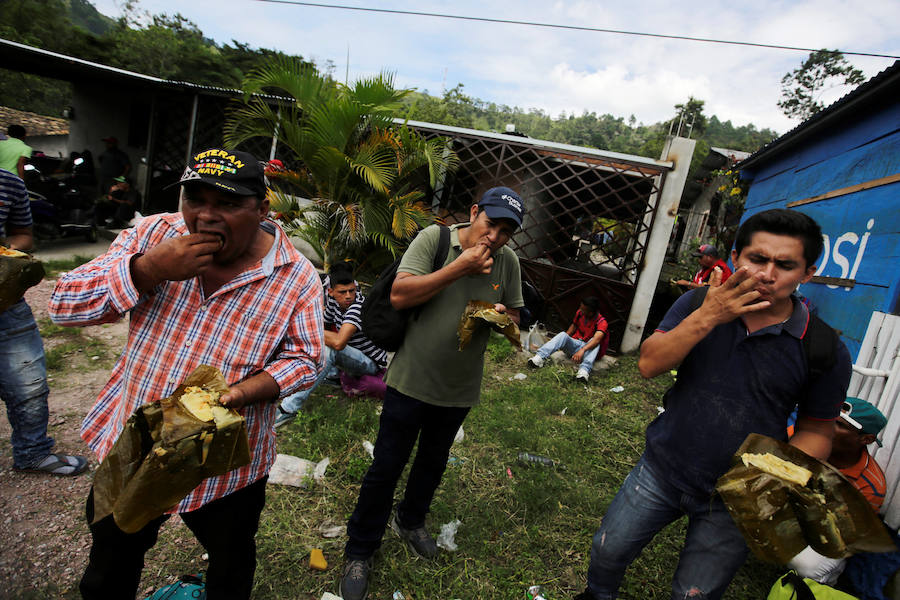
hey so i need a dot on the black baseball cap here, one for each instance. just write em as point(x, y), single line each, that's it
point(502, 203)
point(232, 171)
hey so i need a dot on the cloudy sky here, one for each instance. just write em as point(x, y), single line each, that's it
point(568, 71)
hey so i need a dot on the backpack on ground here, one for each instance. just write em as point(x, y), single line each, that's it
point(381, 322)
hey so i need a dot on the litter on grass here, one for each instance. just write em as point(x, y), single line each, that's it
point(518, 377)
point(369, 448)
point(317, 560)
point(330, 596)
point(460, 434)
point(617, 389)
point(448, 532)
point(295, 471)
point(330, 529)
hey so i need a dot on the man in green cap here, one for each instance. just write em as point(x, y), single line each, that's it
point(858, 426)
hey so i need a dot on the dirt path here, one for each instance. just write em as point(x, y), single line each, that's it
point(43, 535)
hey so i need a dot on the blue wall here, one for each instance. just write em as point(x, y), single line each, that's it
point(861, 230)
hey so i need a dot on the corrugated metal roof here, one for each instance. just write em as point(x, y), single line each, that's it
point(556, 146)
point(33, 123)
point(885, 84)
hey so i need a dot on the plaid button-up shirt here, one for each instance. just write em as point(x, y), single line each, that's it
point(268, 318)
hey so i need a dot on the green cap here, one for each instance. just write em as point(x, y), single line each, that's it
point(120, 179)
point(863, 416)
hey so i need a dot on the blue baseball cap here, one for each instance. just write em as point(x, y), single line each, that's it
point(503, 203)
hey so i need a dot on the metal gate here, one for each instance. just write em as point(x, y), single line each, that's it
point(588, 215)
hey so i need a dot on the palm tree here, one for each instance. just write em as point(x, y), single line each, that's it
point(366, 176)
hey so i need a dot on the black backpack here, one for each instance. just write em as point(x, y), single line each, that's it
point(381, 322)
point(819, 343)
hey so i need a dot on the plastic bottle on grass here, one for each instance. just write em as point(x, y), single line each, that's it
point(526, 458)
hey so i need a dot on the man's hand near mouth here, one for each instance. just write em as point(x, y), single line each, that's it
point(175, 259)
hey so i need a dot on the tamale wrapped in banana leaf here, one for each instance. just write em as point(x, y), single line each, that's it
point(477, 314)
point(778, 517)
point(165, 451)
point(18, 272)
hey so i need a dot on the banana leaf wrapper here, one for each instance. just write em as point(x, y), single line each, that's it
point(17, 274)
point(779, 518)
point(163, 453)
point(477, 314)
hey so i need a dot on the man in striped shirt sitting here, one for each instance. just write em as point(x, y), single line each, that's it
point(218, 284)
point(360, 361)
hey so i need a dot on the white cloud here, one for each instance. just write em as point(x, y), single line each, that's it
point(566, 70)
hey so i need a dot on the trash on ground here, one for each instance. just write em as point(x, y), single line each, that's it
point(518, 377)
point(398, 595)
point(317, 560)
point(617, 389)
point(660, 409)
point(535, 592)
point(528, 459)
point(330, 596)
point(330, 529)
point(295, 471)
point(562, 413)
point(509, 472)
point(460, 434)
point(370, 448)
point(673, 373)
point(455, 460)
point(445, 537)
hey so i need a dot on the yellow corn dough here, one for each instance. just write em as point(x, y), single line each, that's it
point(202, 403)
point(773, 465)
point(4, 251)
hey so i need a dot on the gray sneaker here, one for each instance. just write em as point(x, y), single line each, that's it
point(418, 540)
point(355, 580)
point(283, 418)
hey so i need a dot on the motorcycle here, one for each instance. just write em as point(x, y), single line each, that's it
point(60, 206)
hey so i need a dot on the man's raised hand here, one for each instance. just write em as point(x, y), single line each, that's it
point(176, 259)
point(477, 259)
point(727, 301)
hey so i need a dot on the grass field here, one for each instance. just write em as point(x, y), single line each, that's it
point(520, 525)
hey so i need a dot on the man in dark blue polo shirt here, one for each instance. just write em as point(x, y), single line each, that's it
point(751, 328)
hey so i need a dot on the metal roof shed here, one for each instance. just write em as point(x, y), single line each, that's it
point(842, 167)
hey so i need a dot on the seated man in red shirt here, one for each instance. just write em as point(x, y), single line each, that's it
point(709, 260)
point(584, 341)
point(858, 426)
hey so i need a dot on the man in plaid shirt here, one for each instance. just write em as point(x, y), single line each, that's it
point(217, 284)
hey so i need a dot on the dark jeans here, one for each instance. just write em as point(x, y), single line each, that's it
point(403, 420)
point(225, 527)
point(713, 550)
point(23, 385)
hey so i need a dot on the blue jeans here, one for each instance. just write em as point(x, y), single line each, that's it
point(23, 385)
point(713, 549)
point(403, 420)
point(569, 345)
point(350, 360)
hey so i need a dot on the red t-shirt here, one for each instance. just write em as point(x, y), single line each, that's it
point(702, 275)
point(585, 328)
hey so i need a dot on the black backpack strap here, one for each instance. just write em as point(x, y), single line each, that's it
point(820, 347)
point(801, 590)
point(697, 297)
point(443, 248)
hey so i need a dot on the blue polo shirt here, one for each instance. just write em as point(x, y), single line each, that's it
point(731, 384)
